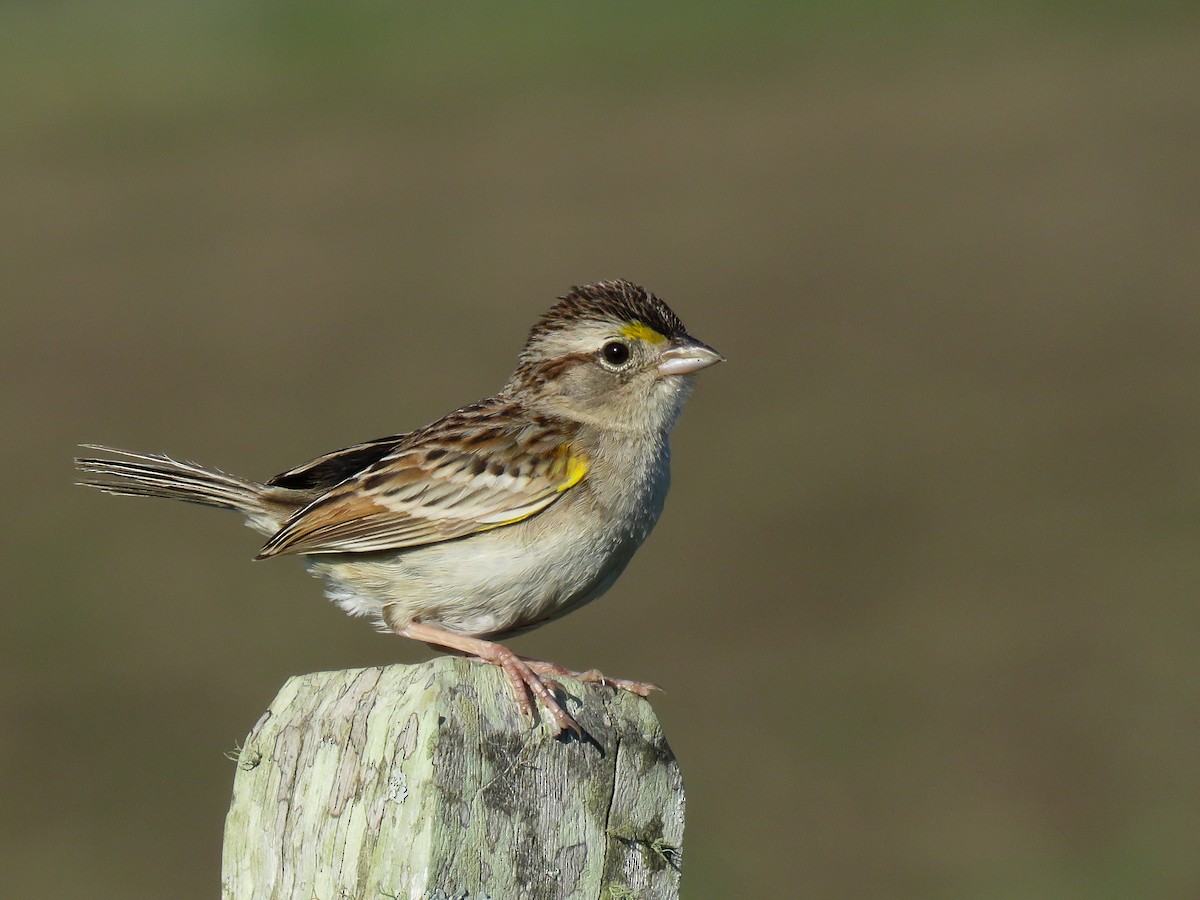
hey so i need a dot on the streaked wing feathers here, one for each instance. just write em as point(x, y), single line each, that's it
point(326, 471)
point(426, 494)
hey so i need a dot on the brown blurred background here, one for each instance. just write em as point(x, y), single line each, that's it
point(924, 598)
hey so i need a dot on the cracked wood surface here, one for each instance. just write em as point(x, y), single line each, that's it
point(426, 782)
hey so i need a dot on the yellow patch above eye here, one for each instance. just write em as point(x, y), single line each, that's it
point(639, 331)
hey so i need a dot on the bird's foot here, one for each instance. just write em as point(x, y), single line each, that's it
point(522, 675)
point(591, 676)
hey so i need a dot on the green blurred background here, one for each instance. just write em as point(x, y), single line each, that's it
point(924, 598)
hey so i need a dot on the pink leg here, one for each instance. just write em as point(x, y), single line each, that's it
point(521, 675)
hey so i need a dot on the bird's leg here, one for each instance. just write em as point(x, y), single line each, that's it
point(591, 676)
point(521, 675)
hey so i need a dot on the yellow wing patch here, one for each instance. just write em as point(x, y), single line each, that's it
point(571, 466)
point(639, 331)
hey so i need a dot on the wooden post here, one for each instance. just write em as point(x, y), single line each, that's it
point(427, 782)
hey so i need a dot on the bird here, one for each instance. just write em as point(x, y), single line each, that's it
point(498, 517)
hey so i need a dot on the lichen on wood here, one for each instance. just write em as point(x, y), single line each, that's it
point(427, 782)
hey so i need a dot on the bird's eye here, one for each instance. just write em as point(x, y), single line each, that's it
point(616, 353)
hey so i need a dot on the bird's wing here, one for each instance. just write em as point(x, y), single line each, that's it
point(333, 468)
point(431, 493)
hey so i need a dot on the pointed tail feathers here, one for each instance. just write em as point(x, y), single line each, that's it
point(155, 475)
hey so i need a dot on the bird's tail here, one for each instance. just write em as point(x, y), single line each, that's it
point(155, 475)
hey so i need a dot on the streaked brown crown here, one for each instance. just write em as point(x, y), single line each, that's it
point(620, 302)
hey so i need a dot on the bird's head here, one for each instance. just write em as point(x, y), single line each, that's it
point(611, 354)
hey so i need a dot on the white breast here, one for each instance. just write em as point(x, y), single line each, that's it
point(518, 576)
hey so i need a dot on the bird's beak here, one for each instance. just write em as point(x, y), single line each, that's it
point(687, 355)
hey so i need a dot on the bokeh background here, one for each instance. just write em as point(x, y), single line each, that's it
point(925, 596)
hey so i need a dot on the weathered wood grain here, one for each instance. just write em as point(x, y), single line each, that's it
point(426, 782)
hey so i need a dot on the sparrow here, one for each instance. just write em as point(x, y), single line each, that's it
point(497, 518)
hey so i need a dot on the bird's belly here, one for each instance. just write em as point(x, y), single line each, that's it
point(512, 578)
point(489, 584)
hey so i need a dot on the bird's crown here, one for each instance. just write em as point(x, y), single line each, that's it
point(629, 307)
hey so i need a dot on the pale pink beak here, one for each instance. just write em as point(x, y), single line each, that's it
point(687, 355)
